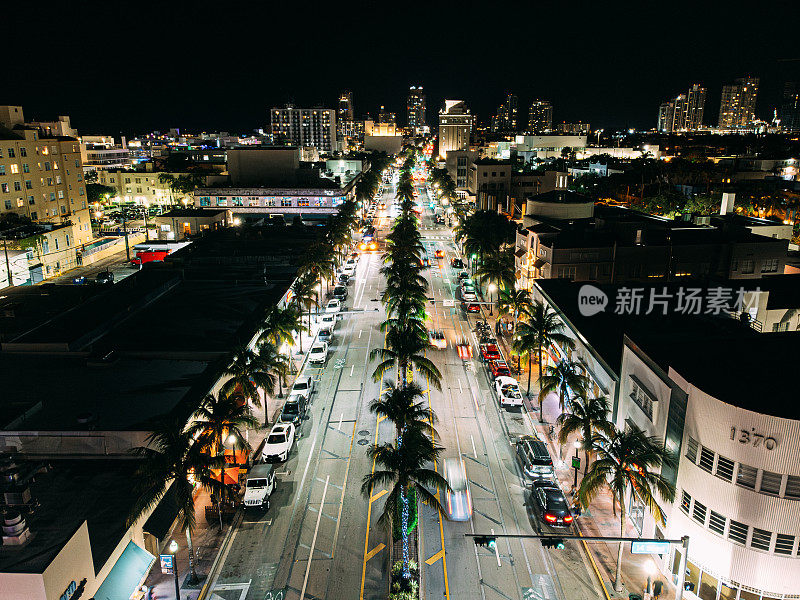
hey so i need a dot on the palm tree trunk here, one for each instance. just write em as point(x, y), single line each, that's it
point(618, 578)
point(404, 524)
point(530, 368)
point(190, 547)
point(541, 400)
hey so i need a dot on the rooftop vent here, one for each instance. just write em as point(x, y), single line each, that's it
point(15, 529)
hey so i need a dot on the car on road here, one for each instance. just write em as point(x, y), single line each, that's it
point(344, 279)
point(471, 307)
point(328, 320)
point(303, 385)
point(349, 270)
point(325, 334)
point(258, 486)
point(79, 280)
point(490, 352)
point(439, 253)
point(499, 368)
point(104, 277)
point(294, 410)
point(468, 294)
point(279, 443)
point(508, 393)
point(459, 502)
point(333, 306)
point(457, 263)
point(437, 339)
point(463, 276)
point(340, 292)
point(533, 458)
point(551, 506)
point(318, 353)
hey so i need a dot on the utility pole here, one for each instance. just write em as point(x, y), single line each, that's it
point(125, 232)
point(8, 263)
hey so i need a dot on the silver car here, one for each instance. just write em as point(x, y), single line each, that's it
point(459, 502)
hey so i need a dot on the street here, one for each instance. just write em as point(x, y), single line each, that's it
point(318, 502)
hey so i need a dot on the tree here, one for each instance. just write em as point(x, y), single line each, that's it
point(400, 406)
point(304, 291)
point(248, 373)
point(516, 303)
point(404, 349)
point(497, 268)
point(627, 461)
point(171, 458)
point(280, 325)
point(275, 363)
point(564, 379)
point(97, 192)
point(586, 416)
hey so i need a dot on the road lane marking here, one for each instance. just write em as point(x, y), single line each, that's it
point(435, 557)
point(474, 452)
point(375, 550)
point(340, 422)
point(360, 331)
point(380, 494)
point(351, 370)
point(314, 540)
point(344, 487)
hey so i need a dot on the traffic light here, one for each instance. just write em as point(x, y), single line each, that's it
point(553, 542)
point(486, 541)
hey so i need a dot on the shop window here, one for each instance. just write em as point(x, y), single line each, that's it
point(746, 477)
point(708, 587)
point(706, 459)
point(692, 576)
point(716, 523)
point(737, 532)
point(761, 539)
point(770, 482)
point(686, 502)
point(724, 468)
point(691, 450)
point(745, 595)
point(699, 512)
point(727, 592)
point(784, 543)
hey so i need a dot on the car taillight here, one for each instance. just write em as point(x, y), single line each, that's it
point(550, 518)
point(568, 519)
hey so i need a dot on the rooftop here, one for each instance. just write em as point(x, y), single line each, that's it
point(561, 197)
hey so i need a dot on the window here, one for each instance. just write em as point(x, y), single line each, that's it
point(52, 196)
point(80, 191)
point(784, 543)
point(60, 194)
point(28, 184)
point(770, 266)
point(58, 178)
point(724, 468)
point(23, 152)
point(15, 168)
point(286, 202)
point(26, 168)
point(205, 201)
point(699, 512)
point(34, 215)
point(2, 169)
point(303, 202)
point(706, 459)
point(737, 532)
point(47, 165)
point(8, 204)
point(761, 539)
point(691, 450)
point(4, 187)
point(222, 200)
point(792, 486)
point(716, 523)
point(11, 153)
point(747, 266)
point(770, 482)
point(31, 200)
point(686, 501)
point(746, 477)
point(237, 201)
point(17, 186)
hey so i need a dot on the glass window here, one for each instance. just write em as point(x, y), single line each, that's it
point(770, 482)
point(699, 512)
point(727, 592)
point(686, 501)
point(737, 532)
point(761, 539)
point(716, 523)
point(691, 450)
point(724, 468)
point(784, 543)
point(708, 587)
point(792, 486)
point(746, 477)
point(706, 459)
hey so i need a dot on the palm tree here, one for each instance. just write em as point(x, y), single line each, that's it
point(564, 379)
point(586, 416)
point(304, 290)
point(543, 329)
point(248, 373)
point(400, 406)
point(275, 363)
point(402, 469)
point(404, 349)
point(627, 461)
point(280, 325)
point(516, 303)
point(498, 268)
point(171, 458)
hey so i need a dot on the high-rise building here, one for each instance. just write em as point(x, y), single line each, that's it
point(738, 107)
point(305, 126)
point(386, 118)
point(506, 118)
point(415, 107)
point(346, 106)
point(790, 107)
point(455, 126)
point(684, 112)
point(540, 116)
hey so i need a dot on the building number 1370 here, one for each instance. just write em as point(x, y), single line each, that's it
point(743, 436)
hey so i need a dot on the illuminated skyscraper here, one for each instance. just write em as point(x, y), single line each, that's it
point(684, 112)
point(455, 126)
point(415, 107)
point(738, 107)
point(540, 116)
point(506, 118)
point(305, 126)
point(790, 107)
point(346, 106)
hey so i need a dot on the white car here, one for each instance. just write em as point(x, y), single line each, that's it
point(333, 306)
point(459, 502)
point(279, 443)
point(349, 269)
point(468, 294)
point(328, 321)
point(303, 385)
point(318, 353)
point(508, 392)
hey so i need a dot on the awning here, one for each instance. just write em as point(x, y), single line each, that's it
point(538, 263)
point(126, 574)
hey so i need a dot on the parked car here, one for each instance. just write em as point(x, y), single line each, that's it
point(439, 253)
point(534, 459)
point(344, 279)
point(325, 335)
point(437, 339)
point(303, 385)
point(459, 502)
point(491, 352)
point(468, 294)
point(259, 486)
point(279, 443)
point(463, 276)
point(508, 392)
point(329, 320)
point(333, 306)
point(471, 307)
point(105, 277)
point(294, 410)
point(457, 263)
point(340, 293)
point(318, 353)
point(499, 368)
point(549, 502)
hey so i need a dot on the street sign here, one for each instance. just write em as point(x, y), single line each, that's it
point(650, 547)
point(448, 302)
point(167, 563)
point(576, 462)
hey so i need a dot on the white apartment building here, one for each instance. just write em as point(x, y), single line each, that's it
point(305, 127)
point(455, 126)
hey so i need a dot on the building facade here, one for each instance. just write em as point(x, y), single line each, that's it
point(540, 117)
point(738, 107)
point(575, 128)
point(415, 109)
point(683, 113)
point(790, 107)
point(506, 119)
point(305, 127)
point(455, 127)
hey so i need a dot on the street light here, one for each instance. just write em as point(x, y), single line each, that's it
point(173, 549)
point(576, 461)
point(492, 288)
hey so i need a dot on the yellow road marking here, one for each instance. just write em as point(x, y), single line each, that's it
point(441, 526)
point(375, 550)
point(435, 557)
point(380, 494)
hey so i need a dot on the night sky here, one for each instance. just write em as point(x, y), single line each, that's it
point(133, 67)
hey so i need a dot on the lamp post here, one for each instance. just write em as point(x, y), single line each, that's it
point(492, 289)
point(576, 461)
point(650, 567)
point(173, 548)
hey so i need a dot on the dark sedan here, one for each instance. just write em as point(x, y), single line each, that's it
point(551, 506)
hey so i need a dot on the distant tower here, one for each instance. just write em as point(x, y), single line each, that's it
point(455, 126)
point(415, 109)
point(507, 115)
point(738, 107)
point(346, 106)
point(540, 116)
